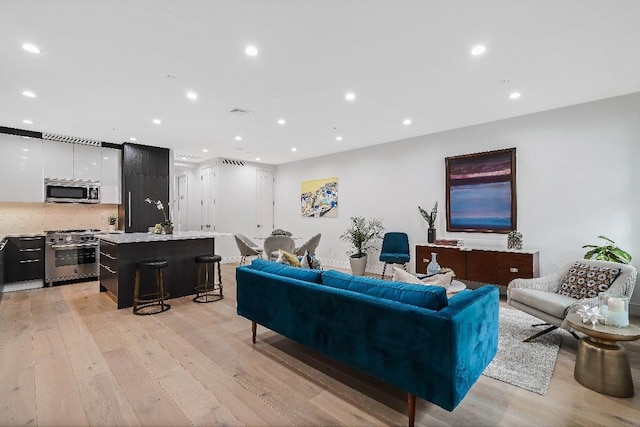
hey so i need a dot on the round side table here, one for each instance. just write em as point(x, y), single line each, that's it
point(601, 363)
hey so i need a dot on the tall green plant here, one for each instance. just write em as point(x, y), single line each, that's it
point(607, 252)
point(362, 234)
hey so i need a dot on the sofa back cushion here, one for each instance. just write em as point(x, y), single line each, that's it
point(431, 297)
point(273, 267)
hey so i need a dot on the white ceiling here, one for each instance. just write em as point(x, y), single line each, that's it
point(103, 67)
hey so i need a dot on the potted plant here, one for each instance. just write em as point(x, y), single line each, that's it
point(165, 226)
point(431, 221)
point(363, 235)
point(607, 252)
point(113, 220)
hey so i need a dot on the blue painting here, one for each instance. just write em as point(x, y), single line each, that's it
point(481, 192)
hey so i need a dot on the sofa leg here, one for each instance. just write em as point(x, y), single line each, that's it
point(254, 326)
point(534, 336)
point(411, 408)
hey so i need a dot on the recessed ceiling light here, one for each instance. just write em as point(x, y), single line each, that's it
point(281, 121)
point(204, 150)
point(338, 138)
point(406, 122)
point(251, 50)
point(25, 149)
point(192, 95)
point(478, 50)
point(29, 94)
point(238, 138)
point(294, 149)
point(183, 158)
point(105, 158)
point(350, 96)
point(31, 48)
point(94, 163)
point(514, 95)
point(258, 158)
point(157, 121)
point(133, 139)
point(27, 121)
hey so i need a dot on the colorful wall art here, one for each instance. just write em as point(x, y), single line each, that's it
point(481, 192)
point(320, 198)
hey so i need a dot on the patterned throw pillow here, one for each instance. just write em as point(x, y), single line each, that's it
point(310, 261)
point(290, 258)
point(586, 281)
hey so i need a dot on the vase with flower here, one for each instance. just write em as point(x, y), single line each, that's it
point(430, 217)
point(166, 227)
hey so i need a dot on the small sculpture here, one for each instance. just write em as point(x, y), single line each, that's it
point(590, 314)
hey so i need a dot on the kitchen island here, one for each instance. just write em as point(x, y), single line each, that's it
point(120, 252)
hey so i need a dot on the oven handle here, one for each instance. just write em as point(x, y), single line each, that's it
point(30, 249)
point(79, 245)
point(29, 261)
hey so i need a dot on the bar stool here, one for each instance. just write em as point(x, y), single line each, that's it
point(153, 299)
point(209, 290)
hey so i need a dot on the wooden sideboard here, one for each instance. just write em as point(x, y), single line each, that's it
point(493, 266)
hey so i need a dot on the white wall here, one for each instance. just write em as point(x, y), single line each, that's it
point(576, 179)
point(236, 201)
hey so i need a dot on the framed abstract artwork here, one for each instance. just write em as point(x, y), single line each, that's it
point(481, 192)
point(319, 198)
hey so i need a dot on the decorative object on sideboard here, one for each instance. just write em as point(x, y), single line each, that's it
point(447, 242)
point(431, 221)
point(433, 267)
point(363, 235)
point(113, 220)
point(514, 240)
point(607, 252)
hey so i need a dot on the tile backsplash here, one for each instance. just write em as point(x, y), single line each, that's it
point(22, 218)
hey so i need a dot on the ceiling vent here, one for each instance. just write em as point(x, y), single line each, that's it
point(232, 162)
point(70, 139)
point(241, 111)
point(186, 156)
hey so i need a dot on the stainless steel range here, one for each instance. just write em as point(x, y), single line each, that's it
point(71, 255)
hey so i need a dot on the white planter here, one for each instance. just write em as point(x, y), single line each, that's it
point(358, 265)
point(112, 228)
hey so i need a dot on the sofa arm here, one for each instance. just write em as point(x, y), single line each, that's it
point(548, 283)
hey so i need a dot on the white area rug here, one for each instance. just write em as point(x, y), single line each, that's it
point(528, 365)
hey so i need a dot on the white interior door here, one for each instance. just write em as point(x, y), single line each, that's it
point(264, 202)
point(208, 202)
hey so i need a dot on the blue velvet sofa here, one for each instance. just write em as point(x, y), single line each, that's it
point(410, 336)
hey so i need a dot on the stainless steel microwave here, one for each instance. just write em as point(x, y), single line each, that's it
point(71, 191)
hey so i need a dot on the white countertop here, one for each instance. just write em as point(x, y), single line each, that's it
point(120, 238)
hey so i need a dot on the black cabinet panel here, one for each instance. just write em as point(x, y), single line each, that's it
point(145, 160)
point(24, 259)
point(145, 174)
point(140, 215)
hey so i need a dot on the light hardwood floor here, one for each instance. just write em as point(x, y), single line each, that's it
point(68, 357)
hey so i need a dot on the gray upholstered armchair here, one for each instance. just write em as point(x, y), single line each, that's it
point(539, 297)
point(247, 248)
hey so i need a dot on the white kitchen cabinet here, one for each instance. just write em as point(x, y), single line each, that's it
point(59, 159)
point(111, 175)
point(87, 162)
point(21, 169)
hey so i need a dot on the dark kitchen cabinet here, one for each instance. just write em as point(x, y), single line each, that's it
point(24, 259)
point(3, 244)
point(145, 174)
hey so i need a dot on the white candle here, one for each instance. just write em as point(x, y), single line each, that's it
point(615, 305)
